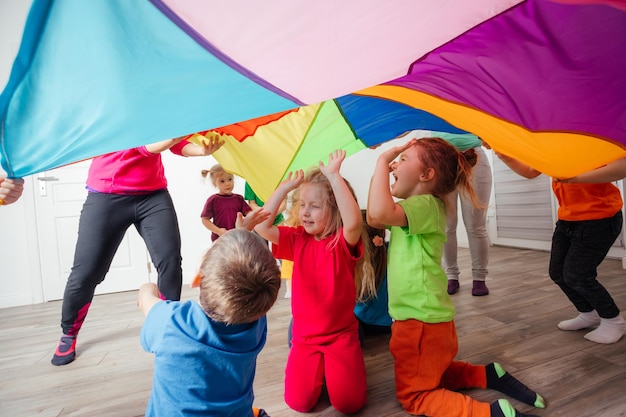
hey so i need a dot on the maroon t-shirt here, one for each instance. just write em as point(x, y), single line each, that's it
point(222, 210)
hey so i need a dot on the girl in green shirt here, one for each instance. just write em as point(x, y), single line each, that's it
point(423, 339)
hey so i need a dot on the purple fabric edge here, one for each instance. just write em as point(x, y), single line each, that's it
point(459, 71)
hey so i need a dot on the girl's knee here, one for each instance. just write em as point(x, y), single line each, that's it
point(349, 396)
point(301, 404)
point(349, 405)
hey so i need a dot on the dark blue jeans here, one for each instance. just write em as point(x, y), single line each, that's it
point(578, 247)
point(104, 220)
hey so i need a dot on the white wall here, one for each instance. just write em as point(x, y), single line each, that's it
point(19, 269)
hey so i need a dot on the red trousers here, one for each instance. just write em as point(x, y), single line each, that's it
point(338, 361)
point(427, 374)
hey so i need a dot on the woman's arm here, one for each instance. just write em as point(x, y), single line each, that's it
point(164, 145)
point(212, 144)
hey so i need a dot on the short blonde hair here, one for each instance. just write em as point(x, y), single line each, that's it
point(240, 278)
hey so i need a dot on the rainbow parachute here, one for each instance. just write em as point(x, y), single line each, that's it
point(287, 82)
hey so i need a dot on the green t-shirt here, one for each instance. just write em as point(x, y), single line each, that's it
point(460, 141)
point(417, 283)
point(249, 194)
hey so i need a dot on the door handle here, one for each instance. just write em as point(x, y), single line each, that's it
point(43, 188)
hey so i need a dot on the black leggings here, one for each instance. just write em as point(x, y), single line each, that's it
point(578, 247)
point(104, 220)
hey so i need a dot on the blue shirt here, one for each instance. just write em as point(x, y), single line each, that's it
point(201, 367)
point(375, 311)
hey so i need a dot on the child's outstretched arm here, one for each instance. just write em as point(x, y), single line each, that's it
point(268, 231)
point(147, 297)
point(382, 210)
point(250, 220)
point(610, 172)
point(346, 203)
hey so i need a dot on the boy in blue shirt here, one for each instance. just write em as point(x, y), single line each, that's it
point(205, 353)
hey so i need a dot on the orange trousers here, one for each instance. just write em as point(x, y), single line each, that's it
point(427, 374)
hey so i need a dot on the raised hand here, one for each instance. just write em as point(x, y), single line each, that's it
point(293, 180)
point(392, 153)
point(335, 160)
point(253, 218)
point(211, 143)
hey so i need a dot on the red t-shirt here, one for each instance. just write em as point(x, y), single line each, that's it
point(323, 290)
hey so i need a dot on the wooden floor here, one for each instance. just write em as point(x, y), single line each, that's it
point(514, 325)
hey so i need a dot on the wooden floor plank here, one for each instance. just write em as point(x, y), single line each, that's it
point(514, 325)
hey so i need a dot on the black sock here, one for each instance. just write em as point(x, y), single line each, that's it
point(500, 380)
point(503, 408)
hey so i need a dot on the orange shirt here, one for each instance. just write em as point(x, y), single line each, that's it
point(578, 201)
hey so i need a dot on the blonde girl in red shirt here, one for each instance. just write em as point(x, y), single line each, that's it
point(331, 268)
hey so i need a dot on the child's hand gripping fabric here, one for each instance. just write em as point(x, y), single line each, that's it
point(10, 190)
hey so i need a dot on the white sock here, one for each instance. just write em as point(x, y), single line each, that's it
point(582, 321)
point(609, 331)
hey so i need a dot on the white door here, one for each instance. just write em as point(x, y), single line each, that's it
point(58, 202)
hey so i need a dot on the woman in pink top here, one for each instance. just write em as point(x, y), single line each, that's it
point(125, 188)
